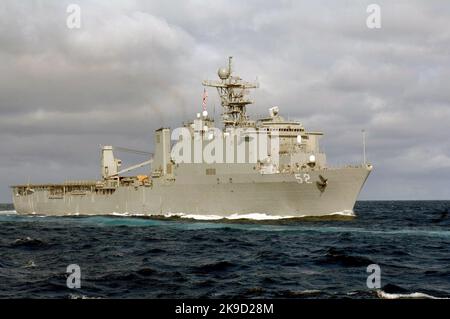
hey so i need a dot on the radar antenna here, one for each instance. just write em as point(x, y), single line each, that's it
point(232, 91)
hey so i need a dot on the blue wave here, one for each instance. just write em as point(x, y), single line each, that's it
point(135, 257)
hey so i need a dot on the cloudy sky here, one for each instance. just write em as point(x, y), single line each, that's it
point(135, 66)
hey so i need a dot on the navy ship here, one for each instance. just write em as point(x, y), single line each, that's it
point(269, 166)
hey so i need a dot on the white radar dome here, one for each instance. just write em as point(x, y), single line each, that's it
point(223, 73)
point(312, 158)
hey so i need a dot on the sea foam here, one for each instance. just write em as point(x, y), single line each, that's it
point(415, 295)
point(8, 212)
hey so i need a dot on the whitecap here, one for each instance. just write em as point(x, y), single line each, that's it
point(415, 295)
point(236, 216)
point(79, 296)
point(8, 212)
point(258, 216)
point(344, 213)
point(119, 214)
point(201, 217)
point(252, 216)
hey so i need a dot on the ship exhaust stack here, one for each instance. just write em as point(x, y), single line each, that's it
point(161, 161)
point(110, 165)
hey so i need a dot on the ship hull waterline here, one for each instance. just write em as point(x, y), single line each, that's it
point(224, 196)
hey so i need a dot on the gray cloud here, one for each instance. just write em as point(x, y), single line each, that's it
point(135, 66)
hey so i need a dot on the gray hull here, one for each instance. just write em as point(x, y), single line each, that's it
point(221, 195)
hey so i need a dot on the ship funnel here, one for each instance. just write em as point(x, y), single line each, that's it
point(110, 165)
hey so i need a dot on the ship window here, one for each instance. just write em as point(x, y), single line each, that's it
point(210, 171)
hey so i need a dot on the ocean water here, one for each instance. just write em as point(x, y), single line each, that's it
point(137, 257)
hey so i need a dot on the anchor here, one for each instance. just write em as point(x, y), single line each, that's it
point(322, 184)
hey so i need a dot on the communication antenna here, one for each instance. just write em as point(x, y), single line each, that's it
point(233, 93)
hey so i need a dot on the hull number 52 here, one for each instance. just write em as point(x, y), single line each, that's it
point(303, 178)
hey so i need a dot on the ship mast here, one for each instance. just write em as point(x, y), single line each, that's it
point(232, 91)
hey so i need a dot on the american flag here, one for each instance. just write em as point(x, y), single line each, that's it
point(204, 99)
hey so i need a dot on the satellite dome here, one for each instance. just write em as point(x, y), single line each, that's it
point(223, 73)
